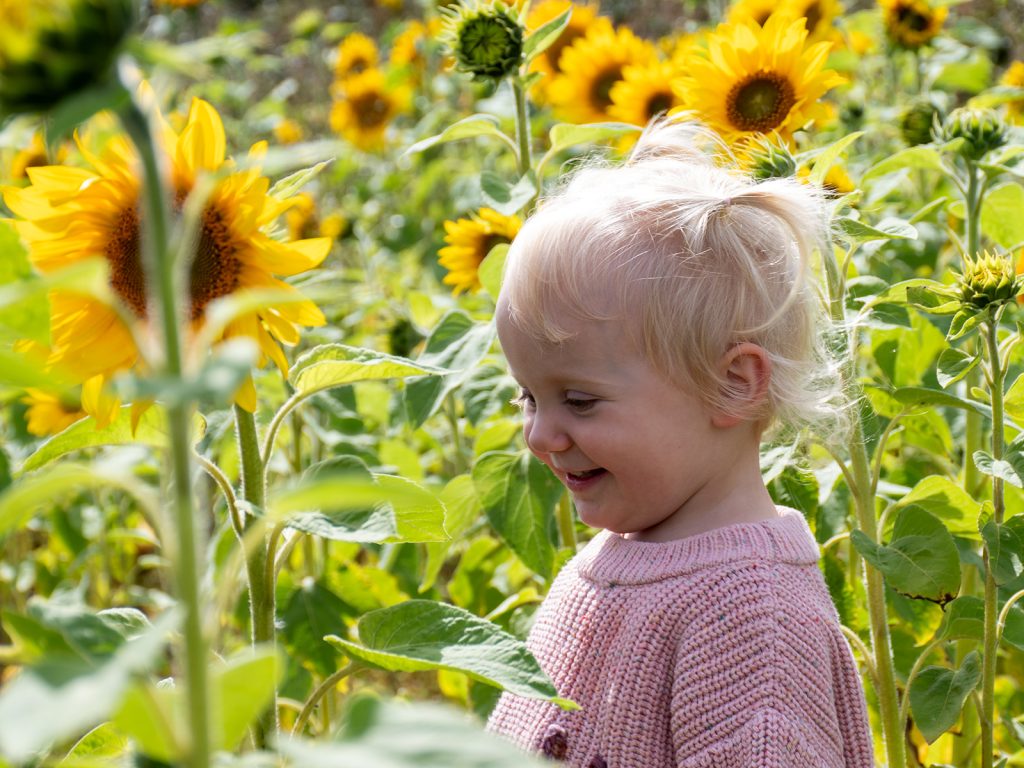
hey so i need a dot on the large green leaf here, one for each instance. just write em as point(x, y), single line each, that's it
point(889, 229)
point(466, 128)
point(921, 561)
point(519, 495)
point(1010, 468)
point(424, 634)
point(545, 35)
point(1001, 215)
point(61, 698)
point(151, 430)
point(458, 344)
point(43, 489)
point(565, 135)
point(1005, 544)
point(385, 734)
point(1013, 401)
point(462, 508)
point(937, 695)
point(333, 365)
point(922, 156)
point(964, 619)
point(946, 500)
point(312, 612)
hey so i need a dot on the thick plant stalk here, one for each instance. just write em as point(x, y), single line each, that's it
point(991, 637)
point(522, 126)
point(864, 503)
point(257, 557)
point(161, 273)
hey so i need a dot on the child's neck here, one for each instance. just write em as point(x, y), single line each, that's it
point(744, 499)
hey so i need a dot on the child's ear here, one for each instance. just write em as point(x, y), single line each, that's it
point(747, 370)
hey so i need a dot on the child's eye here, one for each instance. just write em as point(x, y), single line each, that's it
point(523, 400)
point(580, 404)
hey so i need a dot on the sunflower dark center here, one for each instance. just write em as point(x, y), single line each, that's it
point(910, 18)
point(371, 110)
point(216, 266)
point(761, 102)
point(600, 90)
point(122, 252)
point(658, 103)
point(813, 15)
point(489, 242)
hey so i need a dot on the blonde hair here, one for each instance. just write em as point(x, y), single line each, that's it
point(695, 257)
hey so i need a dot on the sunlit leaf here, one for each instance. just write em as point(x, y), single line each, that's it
point(922, 156)
point(953, 365)
point(467, 128)
point(1009, 469)
point(945, 499)
point(545, 35)
point(332, 365)
point(937, 695)
point(1001, 217)
point(424, 634)
point(1005, 545)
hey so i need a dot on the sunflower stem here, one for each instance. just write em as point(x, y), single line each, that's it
point(261, 589)
point(522, 126)
point(991, 635)
point(165, 306)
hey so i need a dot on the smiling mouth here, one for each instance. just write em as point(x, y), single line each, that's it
point(585, 475)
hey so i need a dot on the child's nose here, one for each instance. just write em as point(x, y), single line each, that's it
point(545, 434)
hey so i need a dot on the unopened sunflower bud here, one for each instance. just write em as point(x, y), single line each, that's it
point(768, 160)
point(917, 121)
point(50, 49)
point(988, 280)
point(485, 37)
point(981, 129)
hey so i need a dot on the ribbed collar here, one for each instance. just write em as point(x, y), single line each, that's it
point(611, 559)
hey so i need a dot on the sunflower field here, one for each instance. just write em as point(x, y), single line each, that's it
point(263, 496)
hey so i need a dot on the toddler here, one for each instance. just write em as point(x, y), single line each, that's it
point(659, 317)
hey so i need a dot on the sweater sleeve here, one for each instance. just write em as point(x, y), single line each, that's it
point(755, 681)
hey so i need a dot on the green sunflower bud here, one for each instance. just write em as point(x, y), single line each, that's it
point(981, 129)
point(917, 120)
point(485, 37)
point(768, 160)
point(50, 49)
point(988, 280)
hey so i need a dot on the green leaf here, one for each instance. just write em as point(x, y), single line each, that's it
point(152, 718)
point(492, 269)
point(828, 156)
point(937, 695)
point(964, 322)
point(458, 344)
point(953, 364)
point(970, 75)
point(390, 734)
point(921, 561)
point(30, 317)
point(151, 431)
point(1005, 545)
point(887, 229)
point(42, 490)
point(925, 396)
point(519, 495)
point(1001, 217)
point(1010, 469)
point(241, 689)
point(950, 503)
point(922, 156)
point(107, 94)
point(545, 35)
point(58, 699)
point(291, 184)
point(467, 128)
point(565, 135)
point(103, 746)
point(507, 199)
point(424, 634)
point(1013, 400)
point(796, 487)
point(964, 619)
point(333, 365)
point(312, 612)
point(462, 508)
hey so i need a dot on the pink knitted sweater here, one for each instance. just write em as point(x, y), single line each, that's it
point(720, 650)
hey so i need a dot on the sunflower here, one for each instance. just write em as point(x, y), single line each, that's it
point(35, 154)
point(643, 92)
point(48, 414)
point(819, 14)
point(357, 53)
point(591, 66)
point(68, 214)
point(364, 106)
point(837, 181)
point(469, 242)
point(288, 131)
point(758, 80)
point(1014, 78)
point(912, 23)
point(584, 17)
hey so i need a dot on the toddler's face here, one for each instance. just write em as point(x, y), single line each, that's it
point(638, 454)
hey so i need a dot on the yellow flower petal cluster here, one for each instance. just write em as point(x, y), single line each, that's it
point(584, 18)
point(644, 91)
point(356, 54)
point(69, 214)
point(820, 15)
point(591, 67)
point(912, 23)
point(364, 106)
point(35, 154)
point(1014, 77)
point(48, 414)
point(755, 80)
point(469, 242)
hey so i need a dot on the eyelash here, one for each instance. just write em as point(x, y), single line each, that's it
point(579, 405)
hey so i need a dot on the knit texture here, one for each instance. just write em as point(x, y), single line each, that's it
point(722, 649)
